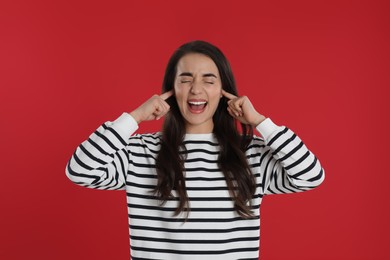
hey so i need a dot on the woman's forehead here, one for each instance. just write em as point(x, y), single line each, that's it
point(196, 63)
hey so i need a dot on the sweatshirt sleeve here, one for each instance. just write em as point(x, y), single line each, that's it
point(101, 161)
point(287, 164)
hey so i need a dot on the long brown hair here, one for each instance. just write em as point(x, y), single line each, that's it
point(232, 160)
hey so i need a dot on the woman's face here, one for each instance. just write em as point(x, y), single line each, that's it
point(198, 89)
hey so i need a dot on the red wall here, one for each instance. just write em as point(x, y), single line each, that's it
point(318, 67)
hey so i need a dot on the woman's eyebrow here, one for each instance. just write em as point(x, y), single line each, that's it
point(186, 74)
point(209, 75)
point(189, 74)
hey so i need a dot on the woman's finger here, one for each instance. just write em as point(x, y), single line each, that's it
point(166, 95)
point(238, 103)
point(233, 112)
point(228, 95)
point(165, 106)
point(162, 109)
point(235, 105)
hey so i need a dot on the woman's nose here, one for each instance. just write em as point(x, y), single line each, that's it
point(196, 87)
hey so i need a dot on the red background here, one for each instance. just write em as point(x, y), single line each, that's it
point(318, 67)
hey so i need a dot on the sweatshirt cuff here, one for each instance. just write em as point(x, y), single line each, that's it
point(266, 128)
point(125, 125)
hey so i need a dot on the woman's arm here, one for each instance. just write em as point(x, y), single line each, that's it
point(102, 161)
point(286, 163)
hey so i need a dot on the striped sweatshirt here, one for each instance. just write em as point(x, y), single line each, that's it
point(114, 157)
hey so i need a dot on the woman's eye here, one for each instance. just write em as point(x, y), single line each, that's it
point(210, 82)
point(185, 81)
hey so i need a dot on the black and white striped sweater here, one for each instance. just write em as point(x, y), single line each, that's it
point(113, 157)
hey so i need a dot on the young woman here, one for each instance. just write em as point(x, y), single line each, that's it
point(194, 189)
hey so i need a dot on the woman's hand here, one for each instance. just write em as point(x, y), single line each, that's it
point(242, 109)
point(153, 109)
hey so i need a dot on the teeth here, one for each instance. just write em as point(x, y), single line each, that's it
point(197, 103)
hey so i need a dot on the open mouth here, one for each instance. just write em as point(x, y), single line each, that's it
point(197, 106)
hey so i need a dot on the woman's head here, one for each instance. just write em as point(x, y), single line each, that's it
point(208, 50)
point(197, 71)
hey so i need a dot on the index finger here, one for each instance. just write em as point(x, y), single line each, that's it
point(228, 95)
point(167, 94)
